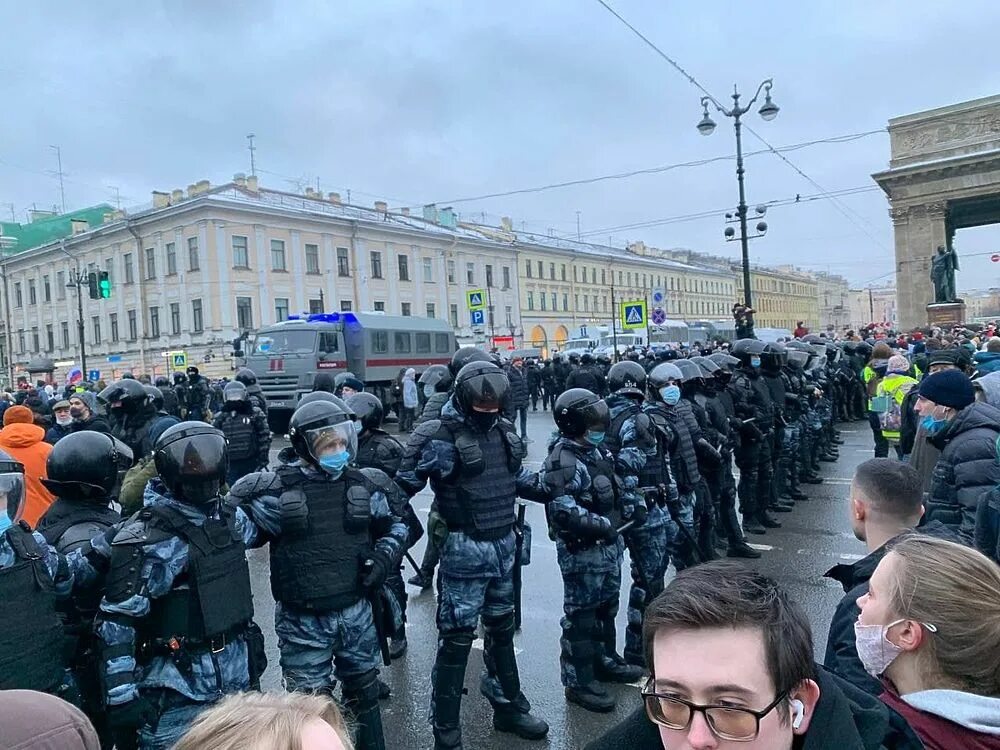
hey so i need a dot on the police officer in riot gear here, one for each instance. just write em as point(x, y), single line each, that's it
point(174, 628)
point(254, 392)
point(772, 362)
point(131, 414)
point(755, 410)
point(723, 431)
point(170, 403)
point(380, 451)
point(587, 505)
point(336, 543)
point(83, 472)
point(796, 406)
point(472, 459)
point(198, 395)
point(433, 386)
point(33, 579)
point(245, 427)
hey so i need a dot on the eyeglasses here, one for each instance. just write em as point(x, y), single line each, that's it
point(726, 722)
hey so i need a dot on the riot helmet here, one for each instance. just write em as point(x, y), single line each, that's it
point(749, 352)
point(480, 388)
point(709, 367)
point(234, 393)
point(154, 396)
point(323, 434)
point(586, 358)
point(309, 398)
point(368, 411)
point(774, 357)
point(664, 383)
point(464, 356)
point(579, 412)
point(627, 379)
point(87, 466)
point(689, 370)
point(246, 376)
point(435, 379)
point(162, 381)
point(12, 494)
point(180, 378)
point(125, 395)
point(574, 358)
point(192, 459)
point(726, 361)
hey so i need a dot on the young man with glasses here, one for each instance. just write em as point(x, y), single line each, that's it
point(732, 667)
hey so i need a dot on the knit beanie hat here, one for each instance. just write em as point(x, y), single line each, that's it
point(16, 414)
point(89, 399)
point(898, 364)
point(948, 388)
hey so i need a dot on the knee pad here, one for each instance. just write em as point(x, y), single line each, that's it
point(363, 687)
point(500, 629)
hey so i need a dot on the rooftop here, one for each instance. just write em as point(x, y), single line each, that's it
point(47, 227)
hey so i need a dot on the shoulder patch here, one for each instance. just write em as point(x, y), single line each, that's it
point(140, 529)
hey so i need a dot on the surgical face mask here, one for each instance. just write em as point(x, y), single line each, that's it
point(428, 390)
point(755, 361)
point(594, 437)
point(64, 419)
point(875, 650)
point(932, 425)
point(358, 427)
point(334, 463)
point(484, 420)
point(670, 394)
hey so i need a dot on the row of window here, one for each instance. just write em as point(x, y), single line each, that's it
point(685, 307)
point(536, 269)
point(405, 343)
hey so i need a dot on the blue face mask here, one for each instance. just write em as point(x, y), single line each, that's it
point(671, 394)
point(5, 522)
point(334, 463)
point(931, 425)
point(755, 361)
point(594, 437)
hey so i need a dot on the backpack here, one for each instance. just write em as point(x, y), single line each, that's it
point(891, 418)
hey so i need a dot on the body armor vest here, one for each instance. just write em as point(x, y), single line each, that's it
point(613, 436)
point(375, 453)
point(240, 434)
point(654, 472)
point(603, 495)
point(481, 501)
point(70, 524)
point(33, 647)
point(211, 598)
point(318, 568)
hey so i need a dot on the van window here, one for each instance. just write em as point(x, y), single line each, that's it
point(402, 342)
point(442, 343)
point(380, 342)
point(328, 342)
point(423, 343)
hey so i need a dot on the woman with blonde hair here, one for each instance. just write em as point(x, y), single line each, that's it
point(269, 721)
point(930, 625)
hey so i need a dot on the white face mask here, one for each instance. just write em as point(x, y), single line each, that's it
point(875, 650)
point(64, 419)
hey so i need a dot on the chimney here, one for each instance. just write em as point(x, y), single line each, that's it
point(203, 186)
point(447, 217)
point(334, 198)
point(108, 217)
point(381, 207)
point(160, 199)
point(37, 214)
point(176, 196)
point(405, 210)
point(78, 226)
point(192, 190)
point(506, 224)
point(431, 213)
point(252, 183)
point(240, 179)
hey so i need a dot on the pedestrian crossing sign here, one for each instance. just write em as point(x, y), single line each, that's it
point(179, 360)
point(633, 314)
point(476, 299)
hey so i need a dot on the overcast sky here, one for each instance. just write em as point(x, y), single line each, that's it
point(438, 100)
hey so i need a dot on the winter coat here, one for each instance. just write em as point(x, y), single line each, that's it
point(37, 721)
point(966, 468)
point(845, 718)
point(587, 377)
point(949, 719)
point(57, 431)
point(94, 424)
point(518, 388)
point(410, 399)
point(988, 524)
point(25, 443)
point(987, 362)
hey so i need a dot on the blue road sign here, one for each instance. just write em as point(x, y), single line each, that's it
point(115, 358)
point(94, 375)
point(659, 316)
point(478, 317)
point(633, 314)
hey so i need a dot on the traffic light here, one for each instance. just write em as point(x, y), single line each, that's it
point(92, 283)
point(104, 285)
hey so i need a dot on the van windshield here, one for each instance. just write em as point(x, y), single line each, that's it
point(285, 342)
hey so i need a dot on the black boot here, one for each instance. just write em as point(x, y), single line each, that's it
point(752, 525)
point(609, 666)
point(811, 478)
point(398, 644)
point(421, 580)
point(511, 710)
point(767, 521)
point(447, 681)
point(742, 549)
point(361, 700)
point(578, 653)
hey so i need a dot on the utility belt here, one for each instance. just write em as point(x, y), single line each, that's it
point(478, 535)
point(657, 496)
point(179, 647)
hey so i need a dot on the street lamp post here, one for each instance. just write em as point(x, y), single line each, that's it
point(77, 280)
point(768, 111)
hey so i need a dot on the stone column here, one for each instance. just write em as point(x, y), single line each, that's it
point(918, 231)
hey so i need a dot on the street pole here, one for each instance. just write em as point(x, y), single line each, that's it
point(614, 314)
point(742, 208)
point(80, 325)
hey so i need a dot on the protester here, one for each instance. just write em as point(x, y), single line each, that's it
point(23, 440)
point(83, 409)
point(965, 432)
point(63, 425)
point(732, 667)
point(410, 401)
point(892, 391)
point(884, 501)
point(989, 360)
point(518, 395)
point(930, 623)
point(269, 721)
point(31, 720)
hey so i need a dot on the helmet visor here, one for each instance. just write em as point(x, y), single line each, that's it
point(486, 391)
point(12, 495)
point(331, 439)
point(797, 358)
point(596, 416)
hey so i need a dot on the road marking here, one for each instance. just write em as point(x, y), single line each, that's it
point(851, 557)
point(480, 646)
point(761, 547)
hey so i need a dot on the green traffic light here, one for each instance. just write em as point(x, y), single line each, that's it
point(104, 285)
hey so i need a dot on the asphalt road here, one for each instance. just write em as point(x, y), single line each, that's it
point(814, 537)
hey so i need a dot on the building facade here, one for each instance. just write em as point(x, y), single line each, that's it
point(873, 305)
point(782, 297)
point(198, 268)
point(832, 294)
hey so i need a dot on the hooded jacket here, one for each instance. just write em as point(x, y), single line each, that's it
point(37, 721)
point(845, 718)
point(26, 444)
point(987, 361)
point(949, 719)
point(966, 469)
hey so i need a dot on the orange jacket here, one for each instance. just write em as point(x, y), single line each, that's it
point(25, 443)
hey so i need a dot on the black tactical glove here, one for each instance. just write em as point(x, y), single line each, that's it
point(375, 568)
point(639, 514)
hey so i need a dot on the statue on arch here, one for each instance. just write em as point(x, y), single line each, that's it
point(944, 263)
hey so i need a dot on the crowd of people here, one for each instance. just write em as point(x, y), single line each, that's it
point(129, 510)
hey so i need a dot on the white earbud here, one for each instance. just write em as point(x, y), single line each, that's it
point(800, 713)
